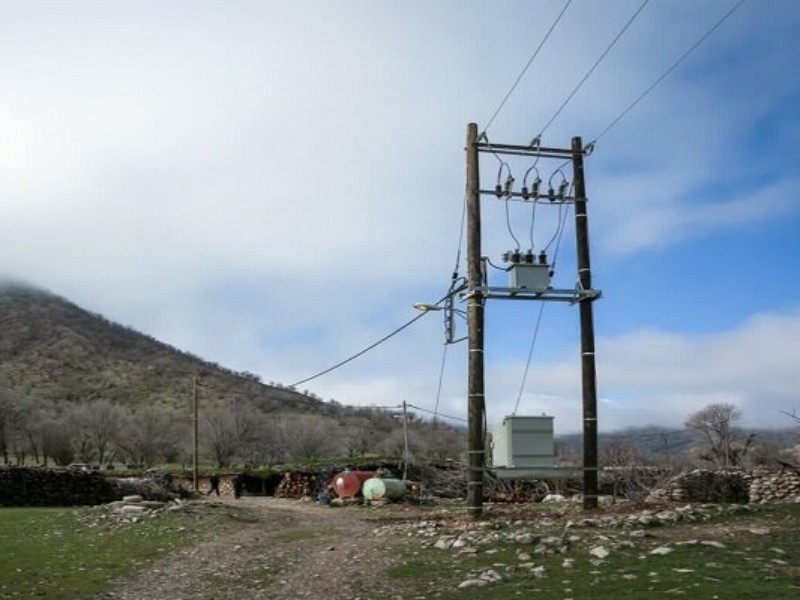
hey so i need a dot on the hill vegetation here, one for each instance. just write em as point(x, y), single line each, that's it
point(75, 386)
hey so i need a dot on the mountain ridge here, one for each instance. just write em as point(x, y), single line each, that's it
point(56, 350)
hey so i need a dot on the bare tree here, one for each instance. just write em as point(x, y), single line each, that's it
point(10, 417)
point(150, 434)
point(97, 426)
point(229, 429)
point(57, 442)
point(725, 444)
point(310, 436)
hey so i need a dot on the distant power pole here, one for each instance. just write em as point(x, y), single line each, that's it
point(478, 292)
point(194, 434)
point(405, 441)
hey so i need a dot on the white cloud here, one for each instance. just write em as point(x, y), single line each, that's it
point(272, 185)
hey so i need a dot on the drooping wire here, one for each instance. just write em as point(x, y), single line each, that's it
point(594, 66)
point(561, 230)
point(508, 224)
point(559, 234)
point(461, 233)
point(530, 356)
point(526, 67)
point(431, 412)
point(504, 190)
point(666, 73)
point(562, 219)
point(370, 347)
point(533, 222)
point(441, 378)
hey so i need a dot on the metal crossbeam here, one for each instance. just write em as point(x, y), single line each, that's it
point(551, 295)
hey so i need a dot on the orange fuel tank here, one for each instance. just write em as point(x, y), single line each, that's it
point(347, 484)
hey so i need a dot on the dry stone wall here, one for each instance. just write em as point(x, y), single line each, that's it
point(740, 487)
point(20, 486)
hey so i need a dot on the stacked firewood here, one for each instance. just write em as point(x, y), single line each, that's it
point(295, 485)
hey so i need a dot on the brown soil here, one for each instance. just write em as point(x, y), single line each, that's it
point(289, 550)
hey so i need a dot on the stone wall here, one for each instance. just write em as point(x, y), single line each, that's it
point(775, 487)
point(21, 486)
point(741, 487)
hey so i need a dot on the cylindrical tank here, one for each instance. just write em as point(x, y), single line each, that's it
point(348, 483)
point(381, 488)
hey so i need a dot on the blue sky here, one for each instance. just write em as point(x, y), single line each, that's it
point(272, 185)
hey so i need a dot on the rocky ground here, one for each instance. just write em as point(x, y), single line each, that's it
point(285, 549)
point(288, 549)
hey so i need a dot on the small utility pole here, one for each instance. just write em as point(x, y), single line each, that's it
point(588, 369)
point(194, 433)
point(476, 402)
point(405, 441)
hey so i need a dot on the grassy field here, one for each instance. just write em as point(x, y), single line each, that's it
point(733, 558)
point(72, 554)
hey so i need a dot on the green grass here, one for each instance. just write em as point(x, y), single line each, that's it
point(70, 554)
point(749, 566)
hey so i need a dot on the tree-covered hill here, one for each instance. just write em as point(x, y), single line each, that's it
point(57, 351)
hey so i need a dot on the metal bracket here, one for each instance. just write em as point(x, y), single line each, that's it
point(571, 296)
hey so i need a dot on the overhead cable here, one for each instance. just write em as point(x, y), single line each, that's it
point(526, 67)
point(375, 344)
point(594, 66)
point(557, 237)
point(666, 73)
point(440, 414)
point(362, 352)
point(441, 378)
point(530, 355)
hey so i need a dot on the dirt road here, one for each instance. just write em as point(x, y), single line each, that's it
point(285, 550)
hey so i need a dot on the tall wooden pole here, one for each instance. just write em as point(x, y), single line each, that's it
point(588, 370)
point(194, 434)
point(475, 386)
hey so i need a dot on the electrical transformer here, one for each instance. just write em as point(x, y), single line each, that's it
point(523, 442)
point(533, 277)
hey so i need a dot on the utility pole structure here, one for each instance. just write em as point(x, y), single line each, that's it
point(194, 434)
point(405, 440)
point(476, 403)
point(588, 368)
point(478, 291)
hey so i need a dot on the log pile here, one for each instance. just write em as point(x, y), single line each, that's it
point(296, 485)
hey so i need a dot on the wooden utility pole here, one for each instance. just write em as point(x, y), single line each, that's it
point(194, 434)
point(475, 317)
point(588, 369)
point(405, 440)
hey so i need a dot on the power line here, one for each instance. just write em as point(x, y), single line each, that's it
point(441, 378)
point(666, 73)
point(374, 344)
point(364, 351)
point(594, 66)
point(530, 355)
point(527, 66)
point(559, 234)
point(440, 414)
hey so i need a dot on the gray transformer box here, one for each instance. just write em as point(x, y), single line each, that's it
point(524, 442)
point(530, 276)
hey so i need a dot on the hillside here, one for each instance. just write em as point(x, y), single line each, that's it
point(57, 351)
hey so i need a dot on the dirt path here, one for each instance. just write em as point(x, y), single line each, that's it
point(289, 550)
